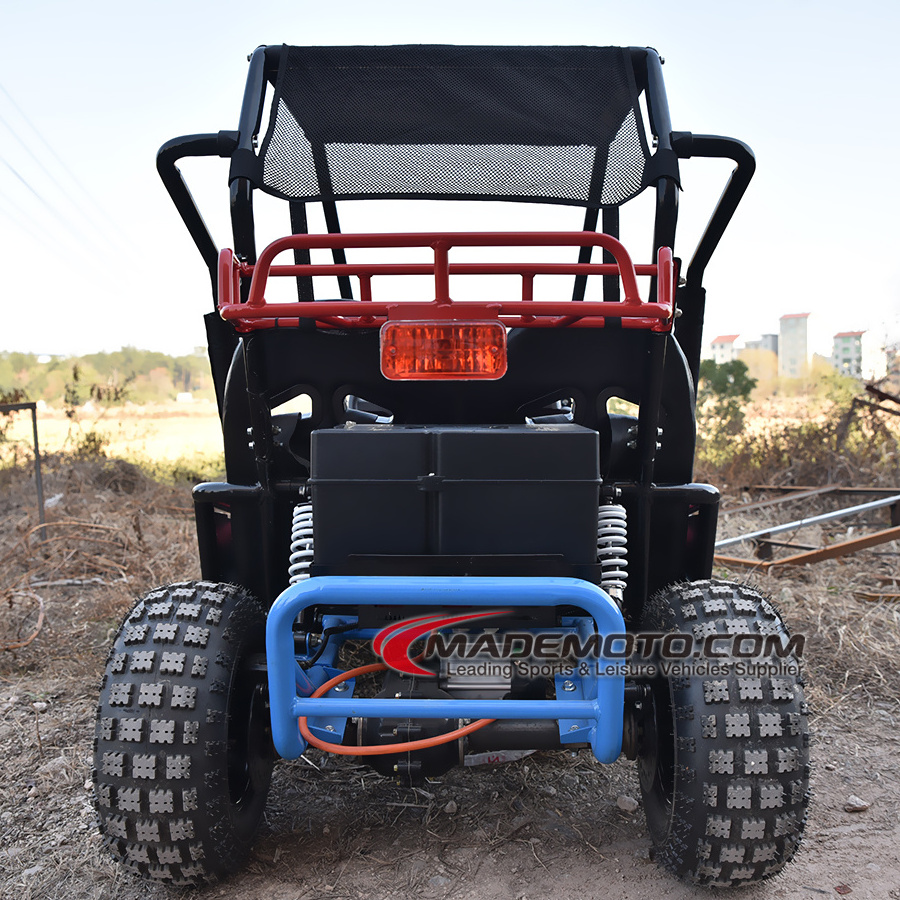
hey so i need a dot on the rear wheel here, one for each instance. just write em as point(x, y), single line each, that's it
point(183, 753)
point(724, 755)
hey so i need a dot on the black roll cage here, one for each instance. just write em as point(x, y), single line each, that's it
point(256, 495)
point(683, 144)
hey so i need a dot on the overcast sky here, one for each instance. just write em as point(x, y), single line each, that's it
point(95, 257)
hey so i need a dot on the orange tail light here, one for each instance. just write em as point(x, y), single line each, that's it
point(451, 350)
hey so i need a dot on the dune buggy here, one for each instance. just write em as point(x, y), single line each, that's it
point(493, 493)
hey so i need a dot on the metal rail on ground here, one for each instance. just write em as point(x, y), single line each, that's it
point(816, 554)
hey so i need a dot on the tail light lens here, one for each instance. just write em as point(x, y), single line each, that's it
point(451, 350)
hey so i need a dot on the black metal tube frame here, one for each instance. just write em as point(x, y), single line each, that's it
point(683, 145)
point(691, 299)
point(221, 144)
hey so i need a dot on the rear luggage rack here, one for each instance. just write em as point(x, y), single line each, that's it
point(633, 312)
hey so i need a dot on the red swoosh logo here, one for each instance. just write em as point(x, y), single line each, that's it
point(393, 643)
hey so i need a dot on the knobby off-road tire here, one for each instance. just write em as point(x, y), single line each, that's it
point(724, 758)
point(182, 755)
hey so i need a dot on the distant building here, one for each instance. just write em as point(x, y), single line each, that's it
point(793, 345)
point(788, 354)
point(766, 342)
point(857, 354)
point(846, 355)
point(723, 348)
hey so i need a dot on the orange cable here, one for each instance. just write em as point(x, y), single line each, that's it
point(379, 749)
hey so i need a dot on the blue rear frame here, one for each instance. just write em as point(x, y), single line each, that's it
point(589, 711)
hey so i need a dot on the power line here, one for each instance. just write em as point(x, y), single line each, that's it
point(52, 177)
point(86, 261)
point(21, 218)
point(57, 216)
point(87, 194)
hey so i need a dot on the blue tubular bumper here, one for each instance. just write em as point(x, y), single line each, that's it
point(590, 710)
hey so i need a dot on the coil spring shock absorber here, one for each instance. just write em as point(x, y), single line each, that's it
point(301, 543)
point(612, 549)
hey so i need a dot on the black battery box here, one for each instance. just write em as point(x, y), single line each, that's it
point(452, 492)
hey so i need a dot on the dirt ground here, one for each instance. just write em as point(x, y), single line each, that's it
point(546, 826)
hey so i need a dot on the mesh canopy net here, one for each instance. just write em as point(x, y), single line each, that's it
point(555, 124)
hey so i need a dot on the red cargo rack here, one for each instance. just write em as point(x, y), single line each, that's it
point(632, 311)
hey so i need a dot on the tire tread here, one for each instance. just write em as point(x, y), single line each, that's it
point(160, 749)
point(742, 756)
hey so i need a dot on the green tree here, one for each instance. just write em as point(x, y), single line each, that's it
point(723, 392)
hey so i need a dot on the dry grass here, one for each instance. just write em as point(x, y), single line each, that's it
point(114, 534)
point(852, 641)
point(785, 442)
point(850, 658)
point(151, 433)
point(110, 535)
